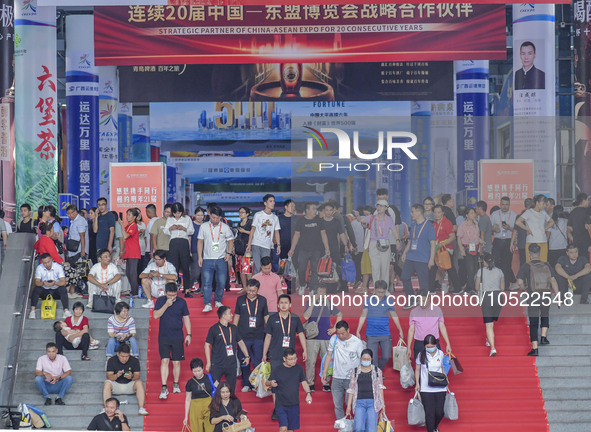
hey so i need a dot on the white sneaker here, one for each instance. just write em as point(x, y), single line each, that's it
point(493, 352)
point(218, 304)
point(301, 290)
point(95, 342)
point(487, 344)
point(32, 315)
point(93, 347)
point(176, 388)
point(142, 411)
point(148, 305)
point(207, 308)
point(163, 393)
point(245, 389)
point(67, 314)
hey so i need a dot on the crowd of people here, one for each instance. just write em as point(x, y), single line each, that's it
point(463, 250)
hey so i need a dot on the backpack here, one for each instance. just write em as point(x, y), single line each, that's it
point(539, 276)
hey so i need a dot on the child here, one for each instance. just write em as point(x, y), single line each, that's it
point(68, 333)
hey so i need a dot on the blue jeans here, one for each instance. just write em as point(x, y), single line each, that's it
point(255, 348)
point(113, 344)
point(366, 417)
point(219, 267)
point(60, 388)
point(422, 271)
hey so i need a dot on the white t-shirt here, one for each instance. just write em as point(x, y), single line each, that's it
point(536, 221)
point(159, 283)
point(264, 226)
point(215, 239)
point(492, 279)
point(434, 363)
point(143, 237)
point(558, 235)
point(149, 230)
point(346, 355)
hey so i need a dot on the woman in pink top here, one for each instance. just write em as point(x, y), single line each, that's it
point(469, 242)
point(270, 284)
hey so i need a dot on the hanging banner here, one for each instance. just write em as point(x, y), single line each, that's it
point(6, 46)
point(513, 178)
point(299, 3)
point(582, 85)
point(443, 148)
point(137, 185)
point(171, 184)
point(125, 124)
point(240, 34)
point(472, 121)
point(534, 100)
point(385, 81)
point(36, 109)
point(141, 139)
point(82, 104)
point(420, 171)
point(108, 124)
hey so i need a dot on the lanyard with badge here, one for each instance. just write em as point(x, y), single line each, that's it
point(415, 239)
point(252, 320)
point(286, 339)
point(472, 246)
point(215, 246)
point(229, 348)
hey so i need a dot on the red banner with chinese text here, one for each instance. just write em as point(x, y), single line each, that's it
point(199, 34)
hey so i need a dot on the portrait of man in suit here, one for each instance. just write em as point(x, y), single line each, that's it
point(528, 76)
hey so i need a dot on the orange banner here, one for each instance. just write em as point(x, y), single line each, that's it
point(505, 177)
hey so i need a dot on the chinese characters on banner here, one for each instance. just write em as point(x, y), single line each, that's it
point(513, 178)
point(5, 135)
point(162, 35)
point(6, 45)
point(137, 185)
point(108, 124)
point(35, 110)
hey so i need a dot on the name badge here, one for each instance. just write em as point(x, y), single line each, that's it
point(215, 247)
point(160, 292)
point(383, 243)
point(286, 340)
point(252, 321)
point(413, 245)
point(229, 350)
point(472, 247)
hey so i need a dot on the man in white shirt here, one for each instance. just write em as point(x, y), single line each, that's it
point(104, 277)
point(214, 243)
point(50, 279)
point(155, 277)
point(503, 221)
point(77, 243)
point(346, 349)
point(152, 217)
point(535, 221)
point(265, 232)
point(53, 375)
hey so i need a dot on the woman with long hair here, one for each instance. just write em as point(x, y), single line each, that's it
point(198, 398)
point(180, 228)
point(490, 282)
point(366, 394)
point(469, 243)
point(430, 360)
point(225, 408)
point(557, 235)
point(132, 252)
point(244, 228)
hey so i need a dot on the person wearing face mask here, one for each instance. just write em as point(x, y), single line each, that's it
point(430, 359)
point(366, 394)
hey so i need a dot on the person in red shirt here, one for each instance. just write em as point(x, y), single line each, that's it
point(80, 323)
point(444, 232)
point(45, 243)
point(132, 252)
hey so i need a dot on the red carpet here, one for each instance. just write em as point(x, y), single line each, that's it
point(500, 393)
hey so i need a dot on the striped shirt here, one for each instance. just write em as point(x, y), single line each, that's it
point(114, 326)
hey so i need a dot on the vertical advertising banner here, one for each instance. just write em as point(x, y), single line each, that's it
point(443, 148)
point(125, 133)
point(472, 119)
point(420, 113)
point(137, 185)
point(82, 102)
point(108, 124)
point(582, 43)
point(513, 178)
point(6, 45)
point(141, 139)
point(36, 107)
point(534, 100)
point(170, 184)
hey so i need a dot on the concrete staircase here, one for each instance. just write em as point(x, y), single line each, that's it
point(84, 400)
point(564, 368)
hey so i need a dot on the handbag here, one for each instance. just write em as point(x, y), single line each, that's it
point(416, 412)
point(246, 264)
point(311, 327)
point(455, 365)
point(103, 303)
point(281, 270)
point(385, 425)
point(333, 278)
point(450, 406)
point(437, 379)
point(59, 246)
point(72, 245)
point(348, 268)
point(399, 354)
point(443, 258)
point(291, 270)
point(48, 308)
point(324, 268)
point(236, 427)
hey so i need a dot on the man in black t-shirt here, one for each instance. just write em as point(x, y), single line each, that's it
point(447, 201)
point(335, 233)
point(111, 420)
point(221, 344)
point(285, 383)
point(250, 315)
point(541, 309)
point(579, 221)
point(123, 377)
point(574, 270)
point(310, 236)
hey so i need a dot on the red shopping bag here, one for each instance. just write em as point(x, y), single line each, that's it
point(324, 268)
point(246, 265)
